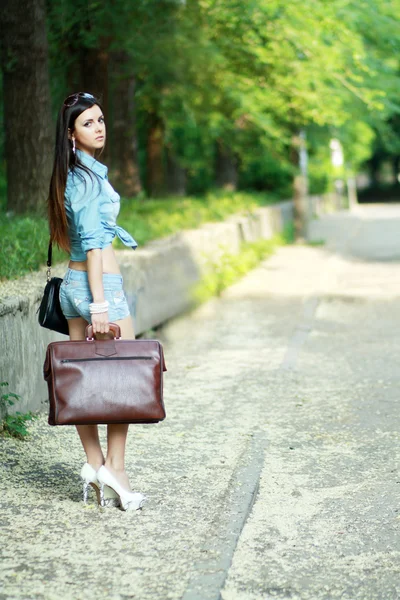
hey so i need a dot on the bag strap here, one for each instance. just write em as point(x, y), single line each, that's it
point(49, 257)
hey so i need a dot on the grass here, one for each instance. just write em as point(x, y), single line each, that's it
point(13, 425)
point(316, 243)
point(228, 268)
point(24, 240)
point(23, 246)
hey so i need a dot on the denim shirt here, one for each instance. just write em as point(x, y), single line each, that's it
point(92, 207)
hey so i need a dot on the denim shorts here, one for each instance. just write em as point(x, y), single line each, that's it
point(75, 296)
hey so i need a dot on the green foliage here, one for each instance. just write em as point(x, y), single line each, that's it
point(264, 168)
point(225, 269)
point(287, 236)
point(16, 425)
point(24, 242)
point(316, 243)
point(7, 399)
point(13, 425)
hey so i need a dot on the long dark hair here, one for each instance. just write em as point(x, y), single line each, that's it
point(65, 159)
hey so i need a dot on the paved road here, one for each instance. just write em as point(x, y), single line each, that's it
point(276, 472)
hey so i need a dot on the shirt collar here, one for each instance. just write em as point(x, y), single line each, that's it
point(92, 163)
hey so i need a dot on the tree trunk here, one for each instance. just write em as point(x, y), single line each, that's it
point(27, 110)
point(300, 192)
point(226, 173)
point(300, 212)
point(124, 146)
point(94, 65)
point(155, 164)
point(176, 175)
point(94, 76)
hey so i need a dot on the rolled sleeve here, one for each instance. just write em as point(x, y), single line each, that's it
point(84, 198)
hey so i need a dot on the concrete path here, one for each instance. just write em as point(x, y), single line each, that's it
point(275, 474)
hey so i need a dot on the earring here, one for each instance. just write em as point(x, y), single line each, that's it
point(73, 145)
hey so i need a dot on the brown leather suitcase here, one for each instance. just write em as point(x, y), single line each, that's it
point(105, 381)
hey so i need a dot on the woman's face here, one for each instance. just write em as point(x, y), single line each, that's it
point(90, 130)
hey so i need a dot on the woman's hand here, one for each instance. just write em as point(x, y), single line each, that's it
point(100, 323)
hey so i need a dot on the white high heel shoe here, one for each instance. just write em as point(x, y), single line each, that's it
point(129, 500)
point(106, 497)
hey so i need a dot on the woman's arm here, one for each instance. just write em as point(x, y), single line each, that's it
point(95, 275)
point(84, 198)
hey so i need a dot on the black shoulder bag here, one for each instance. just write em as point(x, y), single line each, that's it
point(50, 313)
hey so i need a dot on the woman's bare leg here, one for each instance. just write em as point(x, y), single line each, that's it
point(116, 434)
point(89, 434)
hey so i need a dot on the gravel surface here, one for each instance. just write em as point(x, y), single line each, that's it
point(289, 383)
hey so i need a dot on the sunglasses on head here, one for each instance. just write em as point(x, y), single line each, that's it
point(73, 98)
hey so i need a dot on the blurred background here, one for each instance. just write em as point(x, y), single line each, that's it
point(268, 98)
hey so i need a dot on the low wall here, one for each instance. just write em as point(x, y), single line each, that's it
point(158, 282)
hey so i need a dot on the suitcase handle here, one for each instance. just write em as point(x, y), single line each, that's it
point(113, 327)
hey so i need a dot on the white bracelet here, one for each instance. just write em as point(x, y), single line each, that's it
point(98, 307)
point(97, 311)
point(99, 304)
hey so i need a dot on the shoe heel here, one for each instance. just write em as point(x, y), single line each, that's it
point(105, 496)
point(85, 491)
point(101, 495)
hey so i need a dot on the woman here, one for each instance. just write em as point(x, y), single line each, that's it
point(83, 208)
